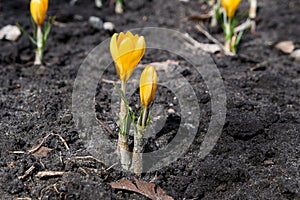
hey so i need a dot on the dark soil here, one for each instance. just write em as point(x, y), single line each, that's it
point(257, 156)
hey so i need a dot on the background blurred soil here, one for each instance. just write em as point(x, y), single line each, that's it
point(257, 156)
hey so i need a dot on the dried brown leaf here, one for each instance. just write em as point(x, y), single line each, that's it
point(285, 46)
point(42, 152)
point(142, 187)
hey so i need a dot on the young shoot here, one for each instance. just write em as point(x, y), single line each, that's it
point(119, 7)
point(229, 23)
point(38, 10)
point(252, 14)
point(217, 14)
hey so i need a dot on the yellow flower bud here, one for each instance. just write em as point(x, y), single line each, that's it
point(127, 50)
point(230, 7)
point(38, 9)
point(148, 84)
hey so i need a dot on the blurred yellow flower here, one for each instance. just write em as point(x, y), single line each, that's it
point(148, 84)
point(230, 7)
point(127, 50)
point(38, 9)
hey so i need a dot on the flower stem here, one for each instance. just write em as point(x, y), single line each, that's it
point(144, 117)
point(39, 49)
point(227, 36)
point(137, 157)
point(125, 121)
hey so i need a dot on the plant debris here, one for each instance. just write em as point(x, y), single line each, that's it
point(43, 174)
point(42, 152)
point(147, 189)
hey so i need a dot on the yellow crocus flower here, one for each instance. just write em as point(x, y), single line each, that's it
point(230, 7)
point(38, 9)
point(127, 50)
point(148, 84)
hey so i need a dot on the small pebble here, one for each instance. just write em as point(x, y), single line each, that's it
point(268, 162)
point(40, 70)
point(171, 111)
point(108, 26)
point(10, 32)
point(96, 22)
point(98, 3)
point(285, 46)
point(78, 17)
point(67, 118)
point(25, 57)
point(296, 54)
point(221, 187)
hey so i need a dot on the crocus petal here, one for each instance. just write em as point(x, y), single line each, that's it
point(148, 84)
point(135, 38)
point(125, 47)
point(120, 38)
point(230, 7)
point(154, 85)
point(45, 6)
point(120, 71)
point(38, 9)
point(113, 46)
point(115, 55)
point(129, 34)
point(139, 50)
point(125, 50)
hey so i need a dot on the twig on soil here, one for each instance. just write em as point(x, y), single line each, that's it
point(17, 152)
point(154, 178)
point(86, 157)
point(83, 170)
point(27, 172)
point(34, 149)
point(59, 24)
point(60, 158)
point(107, 128)
point(109, 81)
point(23, 198)
point(111, 166)
point(62, 139)
point(47, 188)
point(200, 28)
point(161, 66)
point(243, 26)
point(260, 66)
point(42, 163)
point(43, 174)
